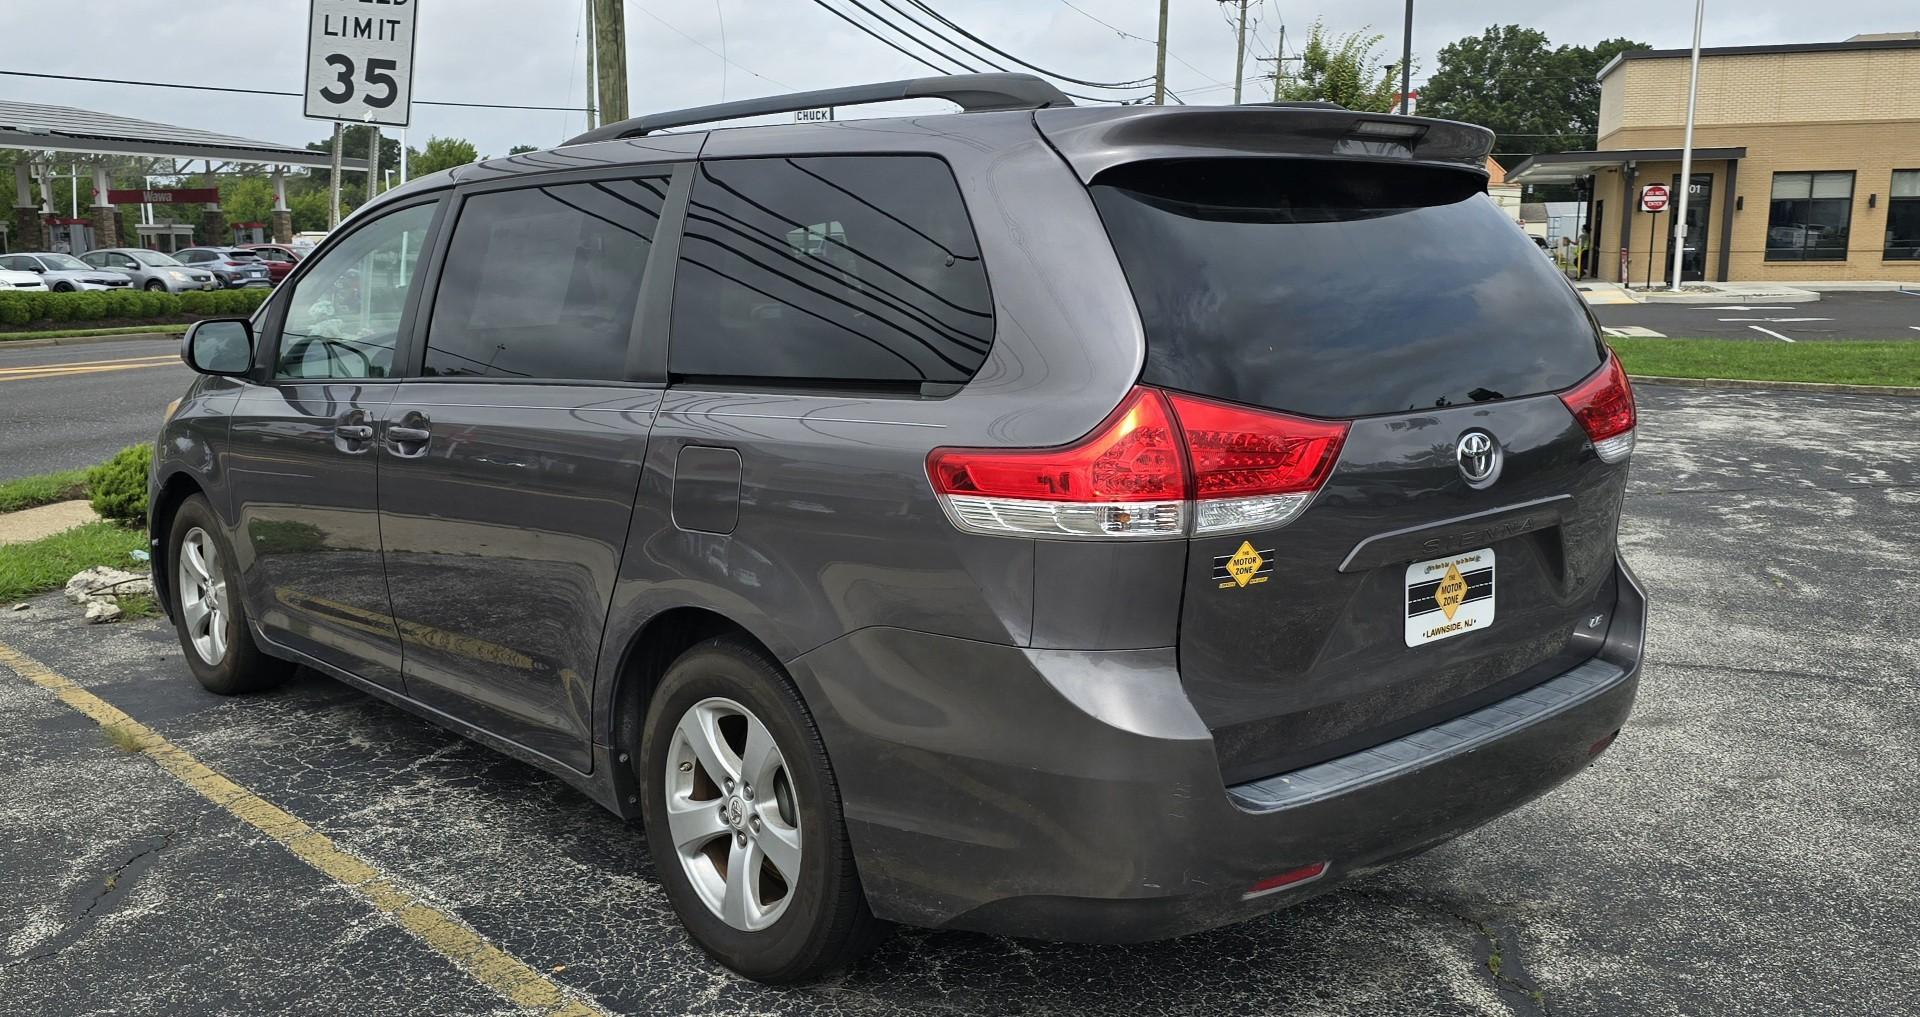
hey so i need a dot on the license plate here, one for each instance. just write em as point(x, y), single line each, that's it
point(1450, 596)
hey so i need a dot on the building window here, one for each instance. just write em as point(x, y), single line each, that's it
point(1809, 217)
point(1903, 216)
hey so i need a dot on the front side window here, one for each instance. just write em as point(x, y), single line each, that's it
point(1809, 216)
point(64, 263)
point(343, 317)
point(1903, 216)
point(836, 269)
point(542, 282)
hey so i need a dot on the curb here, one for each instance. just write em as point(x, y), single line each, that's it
point(83, 340)
point(1776, 386)
point(1668, 297)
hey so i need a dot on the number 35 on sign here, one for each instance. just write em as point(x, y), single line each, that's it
point(360, 61)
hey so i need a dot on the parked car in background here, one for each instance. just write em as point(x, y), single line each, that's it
point(11, 280)
point(280, 258)
point(152, 270)
point(64, 273)
point(233, 266)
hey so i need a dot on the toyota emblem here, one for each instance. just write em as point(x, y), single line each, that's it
point(1478, 456)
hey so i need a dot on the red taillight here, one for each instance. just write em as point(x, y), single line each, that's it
point(1253, 467)
point(1292, 877)
point(1240, 467)
point(1603, 404)
point(1126, 478)
point(236, 264)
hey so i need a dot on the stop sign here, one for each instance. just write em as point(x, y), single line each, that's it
point(1653, 198)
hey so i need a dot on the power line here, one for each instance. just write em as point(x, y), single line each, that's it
point(261, 91)
point(671, 27)
point(1135, 83)
point(1123, 33)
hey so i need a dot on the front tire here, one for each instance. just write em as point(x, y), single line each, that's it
point(155, 286)
point(743, 819)
point(62, 288)
point(208, 613)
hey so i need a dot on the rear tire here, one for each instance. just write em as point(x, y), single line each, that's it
point(208, 611)
point(799, 913)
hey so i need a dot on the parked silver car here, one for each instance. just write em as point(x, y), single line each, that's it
point(233, 266)
point(64, 273)
point(152, 270)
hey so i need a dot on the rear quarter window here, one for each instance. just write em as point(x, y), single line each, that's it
point(1338, 289)
point(832, 269)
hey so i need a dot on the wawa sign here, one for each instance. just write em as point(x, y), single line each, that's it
point(166, 196)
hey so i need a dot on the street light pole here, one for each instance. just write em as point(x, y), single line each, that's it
point(1406, 63)
point(1686, 150)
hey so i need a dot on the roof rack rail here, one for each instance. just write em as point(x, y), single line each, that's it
point(1300, 104)
point(973, 92)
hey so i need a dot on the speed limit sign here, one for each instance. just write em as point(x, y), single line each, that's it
point(360, 61)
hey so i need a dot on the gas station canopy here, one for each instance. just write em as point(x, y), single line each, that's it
point(27, 125)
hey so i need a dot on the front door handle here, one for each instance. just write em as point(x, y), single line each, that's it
point(406, 434)
point(354, 432)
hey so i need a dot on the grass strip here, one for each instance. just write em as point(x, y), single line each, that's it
point(76, 333)
point(1833, 363)
point(46, 564)
point(42, 489)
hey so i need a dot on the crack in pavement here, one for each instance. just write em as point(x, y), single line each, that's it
point(1497, 949)
point(112, 892)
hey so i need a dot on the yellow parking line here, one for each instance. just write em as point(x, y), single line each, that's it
point(85, 363)
point(447, 935)
point(73, 372)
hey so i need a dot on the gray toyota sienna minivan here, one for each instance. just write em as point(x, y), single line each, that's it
point(1083, 523)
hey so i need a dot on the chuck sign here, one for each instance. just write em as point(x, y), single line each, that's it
point(360, 61)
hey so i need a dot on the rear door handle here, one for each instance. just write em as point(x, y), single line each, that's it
point(406, 434)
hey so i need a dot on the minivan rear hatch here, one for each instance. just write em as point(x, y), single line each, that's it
point(1389, 294)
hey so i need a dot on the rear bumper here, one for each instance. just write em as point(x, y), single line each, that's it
point(1076, 796)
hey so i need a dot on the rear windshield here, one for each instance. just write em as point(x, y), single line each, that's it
point(1338, 289)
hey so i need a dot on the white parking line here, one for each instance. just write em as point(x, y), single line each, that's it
point(1776, 319)
point(1744, 307)
point(1770, 332)
point(1632, 332)
point(1916, 328)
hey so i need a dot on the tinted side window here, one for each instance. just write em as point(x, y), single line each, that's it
point(837, 268)
point(344, 313)
point(542, 282)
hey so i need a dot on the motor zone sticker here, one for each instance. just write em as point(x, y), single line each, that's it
point(1449, 596)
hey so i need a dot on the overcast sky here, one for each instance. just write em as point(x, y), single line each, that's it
point(530, 51)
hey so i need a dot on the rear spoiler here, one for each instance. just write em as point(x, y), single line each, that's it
point(1094, 139)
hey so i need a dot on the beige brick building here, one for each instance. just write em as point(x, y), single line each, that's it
point(1806, 163)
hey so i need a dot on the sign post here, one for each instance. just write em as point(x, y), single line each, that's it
point(360, 61)
point(1653, 201)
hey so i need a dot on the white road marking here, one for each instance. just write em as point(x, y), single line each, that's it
point(1916, 328)
point(1770, 332)
point(1776, 319)
point(1632, 332)
point(1743, 307)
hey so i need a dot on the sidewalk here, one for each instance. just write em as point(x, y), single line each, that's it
point(44, 521)
point(1742, 292)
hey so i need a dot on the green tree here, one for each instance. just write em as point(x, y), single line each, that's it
point(522, 149)
point(441, 153)
point(247, 198)
point(353, 145)
point(1535, 96)
point(1343, 69)
point(310, 209)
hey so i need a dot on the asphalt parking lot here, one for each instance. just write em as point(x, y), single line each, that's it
point(1879, 315)
point(1747, 847)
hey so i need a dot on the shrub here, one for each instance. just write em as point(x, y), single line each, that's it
point(118, 487)
point(17, 309)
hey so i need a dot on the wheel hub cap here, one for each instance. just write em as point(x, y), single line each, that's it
point(739, 847)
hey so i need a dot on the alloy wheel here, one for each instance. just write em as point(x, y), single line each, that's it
point(732, 814)
point(203, 596)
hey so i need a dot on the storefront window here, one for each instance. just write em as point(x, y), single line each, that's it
point(1903, 216)
point(1810, 216)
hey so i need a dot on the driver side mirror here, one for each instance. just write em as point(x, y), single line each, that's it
point(219, 346)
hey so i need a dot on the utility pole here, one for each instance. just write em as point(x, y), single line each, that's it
point(1240, 55)
point(333, 185)
point(1279, 61)
point(1686, 153)
point(373, 160)
point(593, 70)
point(610, 58)
point(1160, 61)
